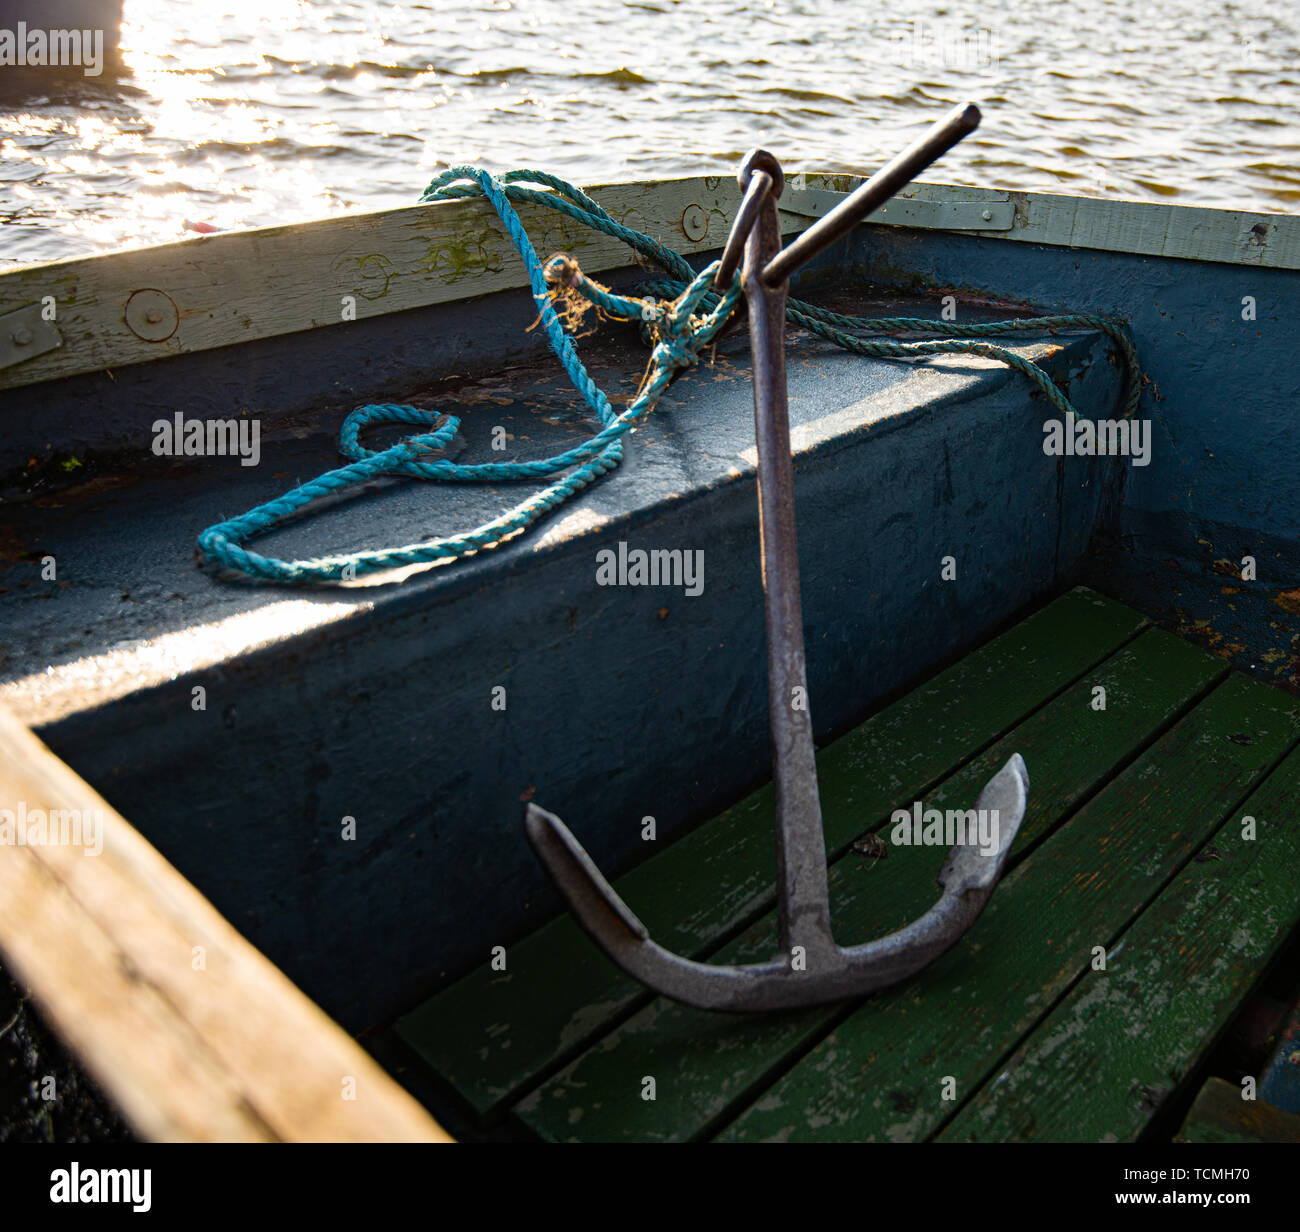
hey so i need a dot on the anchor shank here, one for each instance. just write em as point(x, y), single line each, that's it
point(804, 912)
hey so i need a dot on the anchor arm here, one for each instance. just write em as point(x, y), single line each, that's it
point(968, 879)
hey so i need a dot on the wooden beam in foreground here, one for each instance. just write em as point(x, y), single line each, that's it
point(189, 1029)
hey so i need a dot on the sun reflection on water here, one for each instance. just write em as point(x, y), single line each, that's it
point(253, 112)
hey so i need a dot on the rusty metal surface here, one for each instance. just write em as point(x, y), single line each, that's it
point(810, 968)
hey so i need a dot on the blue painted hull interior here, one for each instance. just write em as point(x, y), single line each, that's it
point(1222, 395)
point(620, 701)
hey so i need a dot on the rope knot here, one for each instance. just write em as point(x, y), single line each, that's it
point(561, 271)
point(673, 352)
point(678, 335)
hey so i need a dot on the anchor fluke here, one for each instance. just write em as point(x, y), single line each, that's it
point(593, 900)
point(1005, 796)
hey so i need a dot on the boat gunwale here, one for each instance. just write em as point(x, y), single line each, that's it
point(265, 282)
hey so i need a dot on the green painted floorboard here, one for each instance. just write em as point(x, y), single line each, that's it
point(1125, 1038)
point(706, 1065)
point(899, 1065)
point(491, 1034)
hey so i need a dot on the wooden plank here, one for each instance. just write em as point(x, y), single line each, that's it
point(892, 1069)
point(1118, 1047)
point(1190, 233)
point(491, 1033)
point(1221, 1115)
point(191, 1031)
point(237, 286)
point(705, 1064)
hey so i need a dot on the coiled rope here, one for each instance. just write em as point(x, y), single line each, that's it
point(680, 316)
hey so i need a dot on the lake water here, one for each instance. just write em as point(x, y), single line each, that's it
point(252, 112)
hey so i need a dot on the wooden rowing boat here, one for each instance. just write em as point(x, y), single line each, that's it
point(342, 770)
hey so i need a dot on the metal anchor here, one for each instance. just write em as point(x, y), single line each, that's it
point(811, 968)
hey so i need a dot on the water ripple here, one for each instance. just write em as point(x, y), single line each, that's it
point(272, 111)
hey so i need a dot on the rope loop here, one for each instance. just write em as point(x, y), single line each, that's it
point(421, 443)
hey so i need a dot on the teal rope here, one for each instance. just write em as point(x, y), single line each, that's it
point(842, 330)
point(679, 326)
